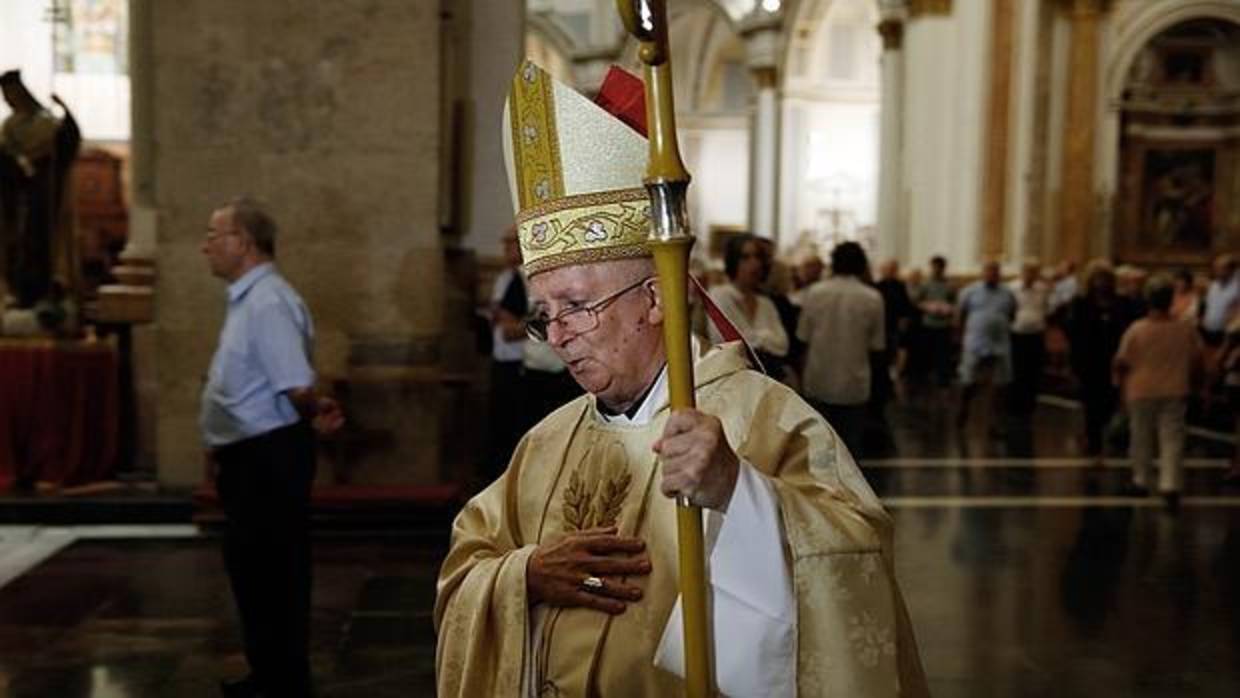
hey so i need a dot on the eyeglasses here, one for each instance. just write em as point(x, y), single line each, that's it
point(575, 321)
point(213, 234)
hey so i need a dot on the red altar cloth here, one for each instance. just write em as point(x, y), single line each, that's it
point(59, 412)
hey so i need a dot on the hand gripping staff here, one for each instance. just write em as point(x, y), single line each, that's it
point(667, 182)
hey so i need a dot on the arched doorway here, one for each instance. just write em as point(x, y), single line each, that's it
point(1137, 26)
point(830, 118)
point(1178, 160)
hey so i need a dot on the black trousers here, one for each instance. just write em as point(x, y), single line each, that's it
point(1099, 399)
point(264, 485)
point(1028, 355)
point(939, 343)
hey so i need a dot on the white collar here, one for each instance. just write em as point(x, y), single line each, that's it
point(655, 398)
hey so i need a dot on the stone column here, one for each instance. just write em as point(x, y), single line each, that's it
point(1037, 242)
point(761, 51)
point(1077, 222)
point(892, 234)
point(141, 242)
point(998, 112)
point(496, 32)
point(330, 113)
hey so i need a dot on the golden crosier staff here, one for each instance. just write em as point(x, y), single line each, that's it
point(667, 182)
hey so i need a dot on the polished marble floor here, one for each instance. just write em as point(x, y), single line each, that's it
point(1028, 570)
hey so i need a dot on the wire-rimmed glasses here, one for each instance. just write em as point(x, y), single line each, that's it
point(577, 320)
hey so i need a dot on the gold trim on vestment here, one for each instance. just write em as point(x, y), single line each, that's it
point(587, 228)
point(540, 176)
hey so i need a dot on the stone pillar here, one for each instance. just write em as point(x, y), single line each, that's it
point(998, 113)
point(893, 238)
point(1077, 222)
point(496, 35)
point(761, 44)
point(330, 113)
point(1037, 242)
point(141, 242)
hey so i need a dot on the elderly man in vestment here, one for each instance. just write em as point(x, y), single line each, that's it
point(561, 579)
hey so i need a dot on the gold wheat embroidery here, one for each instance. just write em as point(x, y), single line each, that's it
point(576, 503)
point(611, 500)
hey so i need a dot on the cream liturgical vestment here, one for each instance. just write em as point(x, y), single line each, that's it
point(845, 631)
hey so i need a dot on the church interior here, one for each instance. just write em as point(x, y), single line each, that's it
point(981, 131)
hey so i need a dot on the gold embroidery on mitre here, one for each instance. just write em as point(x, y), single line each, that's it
point(586, 228)
point(535, 142)
point(595, 495)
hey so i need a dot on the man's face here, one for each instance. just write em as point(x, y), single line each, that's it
point(990, 273)
point(937, 269)
point(1224, 267)
point(617, 359)
point(225, 246)
point(1030, 273)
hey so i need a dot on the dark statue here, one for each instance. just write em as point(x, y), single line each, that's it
point(36, 153)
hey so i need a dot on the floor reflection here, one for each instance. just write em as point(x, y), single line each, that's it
point(1026, 570)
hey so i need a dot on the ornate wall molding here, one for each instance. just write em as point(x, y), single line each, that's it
point(918, 8)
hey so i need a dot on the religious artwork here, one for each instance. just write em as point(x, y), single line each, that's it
point(1178, 195)
point(36, 249)
point(1184, 66)
point(91, 37)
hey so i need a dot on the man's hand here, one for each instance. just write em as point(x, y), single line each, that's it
point(697, 460)
point(328, 417)
point(557, 571)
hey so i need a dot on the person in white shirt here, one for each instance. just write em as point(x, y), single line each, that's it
point(1222, 300)
point(747, 264)
point(1028, 336)
point(1065, 287)
point(842, 323)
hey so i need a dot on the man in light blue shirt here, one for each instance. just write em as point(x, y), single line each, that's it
point(259, 414)
point(986, 309)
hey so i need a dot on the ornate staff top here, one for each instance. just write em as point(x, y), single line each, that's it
point(646, 20)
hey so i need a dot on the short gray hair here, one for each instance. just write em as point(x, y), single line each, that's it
point(251, 216)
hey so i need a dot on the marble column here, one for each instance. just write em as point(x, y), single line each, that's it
point(761, 52)
point(1077, 219)
point(998, 114)
point(893, 238)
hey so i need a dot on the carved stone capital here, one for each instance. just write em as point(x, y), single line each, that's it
point(765, 77)
point(892, 31)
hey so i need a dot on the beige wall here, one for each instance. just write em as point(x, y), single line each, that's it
point(329, 112)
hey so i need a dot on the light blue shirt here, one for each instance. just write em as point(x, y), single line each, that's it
point(1221, 300)
point(988, 319)
point(265, 349)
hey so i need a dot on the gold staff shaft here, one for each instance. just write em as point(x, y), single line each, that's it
point(667, 182)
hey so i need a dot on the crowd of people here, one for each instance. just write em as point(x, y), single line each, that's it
point(1137, 348)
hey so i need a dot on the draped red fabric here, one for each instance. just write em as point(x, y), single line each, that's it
point(59, 412)
point(623, 95)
